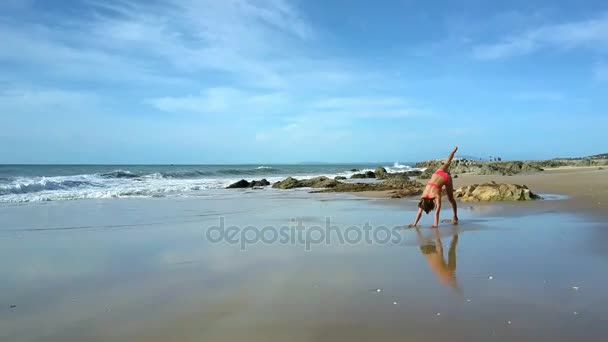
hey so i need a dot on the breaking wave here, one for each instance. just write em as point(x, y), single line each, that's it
point(92, 182)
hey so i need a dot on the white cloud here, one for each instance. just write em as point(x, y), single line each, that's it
point(367, 107)
point(222, 101)
point(591, 33)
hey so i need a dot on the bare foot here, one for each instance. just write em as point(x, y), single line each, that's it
point(411, 225)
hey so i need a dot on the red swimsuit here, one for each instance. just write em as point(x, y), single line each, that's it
point(442, 174)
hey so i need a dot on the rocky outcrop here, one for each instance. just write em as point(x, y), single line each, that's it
point(494, 192)
point(401, 186)
point(380, 172)
point(503, 168)
point(317, 182)
point(426, 174)
point(507, 168)
point(245, 184)
point(368, 174)
point(339, 178)
point(287, 183)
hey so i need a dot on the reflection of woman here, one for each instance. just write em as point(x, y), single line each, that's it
point(433, 252)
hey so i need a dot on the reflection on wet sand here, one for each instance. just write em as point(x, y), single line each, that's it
point(432, 250)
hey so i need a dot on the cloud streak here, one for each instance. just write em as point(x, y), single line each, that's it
point(591, 34)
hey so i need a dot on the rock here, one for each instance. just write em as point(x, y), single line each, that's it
point(406, 193)
point(398, 175)
point(413, 173)
point(240, 184)
point(455, 176)
point(339, 178)
point(494, 192)
point(354, 170)
point(287, 183)
point(600, 168)
point(262, 182)
point(245, 184)
point(380, 172)
point(426, 174)
point(397, 183)
point(317, 182)
point(403, 187)
point(368, 174)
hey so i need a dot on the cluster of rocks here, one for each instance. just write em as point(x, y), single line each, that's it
point(380, 173)
point(504, 168)
point(495, 192)
point(401, 185)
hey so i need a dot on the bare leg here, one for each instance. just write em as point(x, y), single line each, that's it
point(450, 193)
point(448, 161)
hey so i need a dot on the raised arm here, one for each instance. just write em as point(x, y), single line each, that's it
point(448, 161)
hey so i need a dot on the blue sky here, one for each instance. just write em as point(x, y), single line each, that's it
point(233, 81)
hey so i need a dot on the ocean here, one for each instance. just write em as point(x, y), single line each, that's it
point(36, 183)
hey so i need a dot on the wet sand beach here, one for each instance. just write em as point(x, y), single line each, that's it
point(147, 269)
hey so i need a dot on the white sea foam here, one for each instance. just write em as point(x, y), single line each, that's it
point(94, 186)
point(125, 184)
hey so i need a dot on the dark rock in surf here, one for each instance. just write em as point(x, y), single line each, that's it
point(238, 185)
point(262, 182)
point(368, 174)
point(245, 184)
